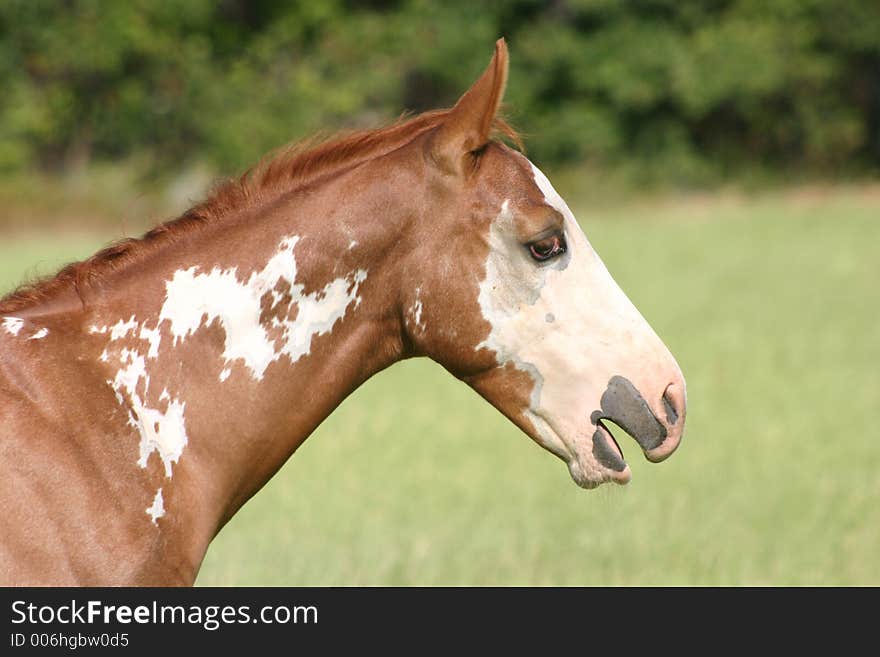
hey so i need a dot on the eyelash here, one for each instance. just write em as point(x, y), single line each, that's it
point(547, 248)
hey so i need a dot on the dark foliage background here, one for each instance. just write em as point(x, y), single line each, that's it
point(700, 87)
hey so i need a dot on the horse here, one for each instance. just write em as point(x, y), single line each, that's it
point(150, 390)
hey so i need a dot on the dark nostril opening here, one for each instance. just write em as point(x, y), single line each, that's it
point(671, 413)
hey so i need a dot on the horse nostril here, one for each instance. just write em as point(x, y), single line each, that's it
point(624, 405)
point(671, 414)
point(673, 403)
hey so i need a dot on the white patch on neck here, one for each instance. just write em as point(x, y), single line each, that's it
point(157, 509)
point(194, 300)
point(39, 335)
point(119, 330)
point(12, 325)
point(416, 311)
point(163, 432)
point(154, 337)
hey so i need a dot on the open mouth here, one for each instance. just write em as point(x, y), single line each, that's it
point(624, 408)
point(606, 449)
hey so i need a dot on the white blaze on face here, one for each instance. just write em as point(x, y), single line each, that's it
point(194, 300)
point(566, 323)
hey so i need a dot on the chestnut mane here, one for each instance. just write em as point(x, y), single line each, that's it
point(288, 169)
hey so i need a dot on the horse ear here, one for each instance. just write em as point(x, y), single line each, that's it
point(469, 124)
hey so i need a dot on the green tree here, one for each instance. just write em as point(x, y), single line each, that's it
point(699, 87)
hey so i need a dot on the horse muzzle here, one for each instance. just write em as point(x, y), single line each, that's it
point(658, 432)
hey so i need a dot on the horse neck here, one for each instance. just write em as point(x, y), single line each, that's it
point(226, 351)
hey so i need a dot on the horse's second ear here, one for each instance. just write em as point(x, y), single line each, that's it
point(469, 124)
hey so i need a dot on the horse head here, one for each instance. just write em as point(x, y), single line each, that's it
point(519, 305)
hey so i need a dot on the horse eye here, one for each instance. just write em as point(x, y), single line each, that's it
point(547, 248)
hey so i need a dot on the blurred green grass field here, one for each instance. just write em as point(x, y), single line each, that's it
point(771, 307)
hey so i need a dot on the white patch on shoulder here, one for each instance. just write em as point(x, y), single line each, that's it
point(224, 374)
point(194, 300)
point(352, 244)
point(12, 325)
point(39, 335)
point(157, 509)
